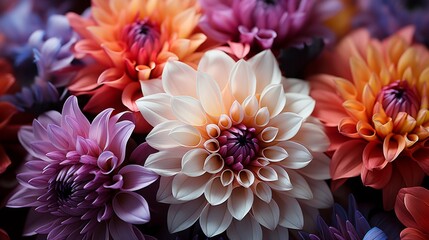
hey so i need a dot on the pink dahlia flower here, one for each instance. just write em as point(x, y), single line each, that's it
point(78, 180)
point(238, 149)
point(267, 24)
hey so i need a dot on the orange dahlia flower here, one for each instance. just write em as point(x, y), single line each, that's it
point(373, 99)
point(130, 41)
point(412, 209)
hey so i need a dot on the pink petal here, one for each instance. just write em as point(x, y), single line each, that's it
point(347, 160)
point(373, 157)
point(131, 207)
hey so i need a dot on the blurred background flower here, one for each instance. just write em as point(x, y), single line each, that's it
point(129, 42)
point(372, 98)
point(235, 150)
point(412, 207)
point(79, 178)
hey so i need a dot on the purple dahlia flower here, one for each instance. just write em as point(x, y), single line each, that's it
point(78, 178)
point(267, 24)
point(385, 17)
point(345, 226)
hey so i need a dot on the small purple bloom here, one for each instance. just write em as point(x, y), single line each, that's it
point(264, 24)
point(345, 225)
point(78, 178)
point(385, 17)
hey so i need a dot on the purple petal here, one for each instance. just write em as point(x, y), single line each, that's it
point(136, 177)
point(122, 230)
point(131, 208)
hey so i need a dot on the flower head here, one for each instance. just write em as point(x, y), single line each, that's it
point(385, 17)
point(349, 224)
point(129, 42)
point(263, 24)
point(411, 207)
point(237, 149)
point(374, 104)
point(79, 179)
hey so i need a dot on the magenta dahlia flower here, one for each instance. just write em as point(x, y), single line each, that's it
point(267, 24)
point(78, 178)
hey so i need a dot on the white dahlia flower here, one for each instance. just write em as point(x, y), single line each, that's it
point(238, 149)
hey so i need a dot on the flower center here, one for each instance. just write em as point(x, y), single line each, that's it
point(270, 2)
point(238, 146)
point(141, 34)
point(399, 97)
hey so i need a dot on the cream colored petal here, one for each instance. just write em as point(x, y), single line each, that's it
point(211, 145)
point(182, 216)
point(188, 188)
point(262, 117)
point(151, 87)
point(268, 134)
point(267, 174)
point(193, 162)
point(240, 202)
point(300, 189)
point(294, 85)
point(165, 163)
point(283, 183)
point(186, 136)
point(226, 177)
point(215, 219)
point(212, 62)
point(209, 94)
point(179, 79)
point(159, 137)
point(274, 153)
point(318, 168)
point(250, 106)
point(262, 191)
point(164, 193)
point(188, 110)
point(322, 196)
point(299, 156)
point(156, 108)
point(267, 214)
point(288, 124)
point(291, 215)
point(266, 69)
point(301, 104)
point(245, 178)
point(242, 81)
point(248, 228)
point(213, 131)
point(216, 193)
point(273, 97)
point(224, 122)
point(213, 163)
point(313, 137)
point(236, 112)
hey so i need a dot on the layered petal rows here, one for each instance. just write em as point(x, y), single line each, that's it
point(237, 147)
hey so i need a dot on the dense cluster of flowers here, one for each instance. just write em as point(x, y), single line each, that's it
point(220, 119)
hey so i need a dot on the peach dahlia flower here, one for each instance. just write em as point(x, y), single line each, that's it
point(374, 102)
point(238, 149)
point(129, 42)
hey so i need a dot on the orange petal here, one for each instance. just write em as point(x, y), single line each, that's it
point(366, 131)
point(114, 77)
point(328, 107)
point(413, 234)
point(347, 160)
point(376, 178)
point(356, 109)
point(393, 145)
point(347, 127)
point(383, 125)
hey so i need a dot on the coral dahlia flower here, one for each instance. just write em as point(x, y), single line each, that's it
point(412, 209)
point(238, 149)
point(79, 179)
point(130, 41)
point(374, 102)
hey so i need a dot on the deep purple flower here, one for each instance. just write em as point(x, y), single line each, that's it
point(345, 226)
point(78, 178)
point(385, 17)
point(267, 24)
